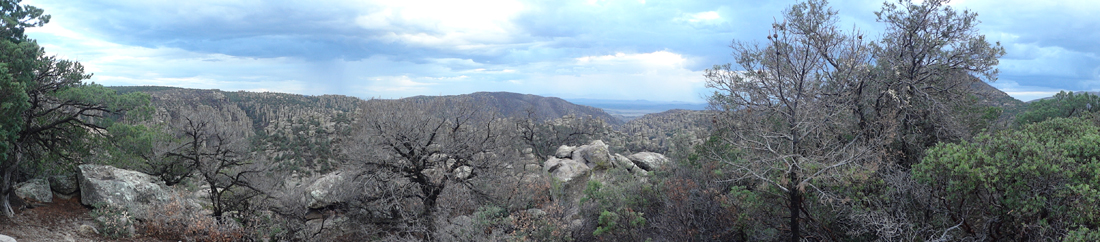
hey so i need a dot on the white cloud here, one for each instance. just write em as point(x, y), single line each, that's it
point(442, 24)
point(704, 16)
point(1022, 92)
point(657, 59)
point(659, 75)
point(617, 49)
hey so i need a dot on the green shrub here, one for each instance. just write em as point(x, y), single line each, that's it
point(113, 221)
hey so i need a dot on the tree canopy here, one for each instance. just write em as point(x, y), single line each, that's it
point(50, 113)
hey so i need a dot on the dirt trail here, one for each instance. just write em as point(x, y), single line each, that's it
point(57, 221)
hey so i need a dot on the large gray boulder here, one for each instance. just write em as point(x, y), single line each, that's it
point(623, 162)
point(322, 192)
point(565, 170)
point(564, 151)
point(134, 191)
point(5, 238)
point(594, 154)
point(35, 190)
point(648, 160)
point(64, 184)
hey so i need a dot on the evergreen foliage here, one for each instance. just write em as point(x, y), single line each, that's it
point(1062, 105)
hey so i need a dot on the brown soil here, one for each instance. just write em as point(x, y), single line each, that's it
point(57, 221)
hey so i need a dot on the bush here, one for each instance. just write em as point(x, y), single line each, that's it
point(113, 221)
point(1028, 184)
point(615, 209)
point(175, 221)
point(549, 226)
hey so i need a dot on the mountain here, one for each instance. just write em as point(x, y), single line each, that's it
point(299, 130)
point(991, 96)
point(1097, 93)
point(631, 109)
point(516, 105)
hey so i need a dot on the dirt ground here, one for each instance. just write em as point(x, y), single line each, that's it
point(57, 221)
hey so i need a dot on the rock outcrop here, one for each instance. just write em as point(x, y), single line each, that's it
point(134, 191)
point(594, 154)
point(64, 184)
point(35, 190)
point(322, 193)
point(648, 160)
point(565, 170)
point(565, 151)
point(571, 162)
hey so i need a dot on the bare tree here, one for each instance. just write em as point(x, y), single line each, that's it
point(544, 137)
point(219, 152)
point(783, 107)
point(413, 150)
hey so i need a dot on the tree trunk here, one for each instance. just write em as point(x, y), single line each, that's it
point(428, 214)
point(5, 192)
point(795, 203)
point(5, 182)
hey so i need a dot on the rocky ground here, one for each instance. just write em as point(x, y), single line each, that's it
point(61, 220)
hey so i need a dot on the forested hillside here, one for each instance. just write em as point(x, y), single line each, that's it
point(815, 133)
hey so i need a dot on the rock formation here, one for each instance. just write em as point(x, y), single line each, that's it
point(134, 191)
point(35, 190)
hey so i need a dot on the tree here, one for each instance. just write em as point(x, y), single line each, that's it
point(16, 18)
point(144, 147)
point(414, 150)
point(48, 110)
point(545, 137)
point(218, 150)
point(783, 107)
point(925, 66)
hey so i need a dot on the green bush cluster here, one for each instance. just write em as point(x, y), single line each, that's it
point(1040, 179)
point(113, 221)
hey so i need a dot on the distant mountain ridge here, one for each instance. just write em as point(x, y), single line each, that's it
point(511, 104)
point(1097, 93)
point(632, 109)
point(261, 104)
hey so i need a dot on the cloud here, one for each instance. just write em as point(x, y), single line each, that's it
point(1022, 92)
point(622, 49)
point(1070, 24)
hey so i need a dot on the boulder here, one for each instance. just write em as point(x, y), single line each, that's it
point(566, 170)
point(551, 165)
point(648, 160)
point(134, 191)
point(620, 161)
point(321, 192)
point(35, 190)
point(463, 172)
point(565, 151)
point(64, 184)
point(5, 238)
point(594, 155)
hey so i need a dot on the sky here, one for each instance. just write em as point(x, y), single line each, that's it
point(594, 49)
